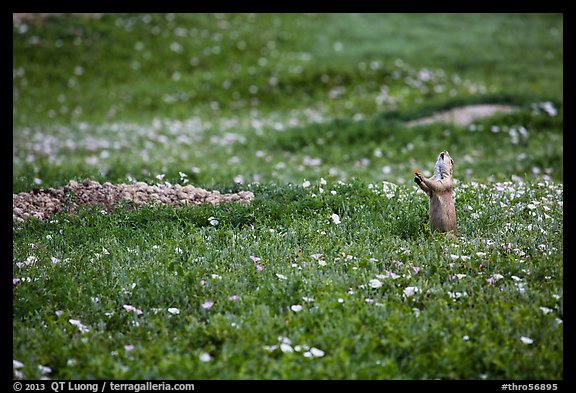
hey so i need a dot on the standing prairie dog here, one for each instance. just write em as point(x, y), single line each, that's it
point(439, 190)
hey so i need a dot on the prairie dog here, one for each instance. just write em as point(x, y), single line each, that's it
point(439, 190)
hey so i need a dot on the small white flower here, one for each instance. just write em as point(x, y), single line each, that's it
point(465, 338)
point(79, 325)
point(44, 370)
point(213, 221)
point(173, 310)
point(207, 305)
point(306, 184)
point(286, 348)
point(205, 357)
point(316, 352)
point(133, 309)
point(307, 299)
point(410, 291)
point(336, 218)
point(182, 174)
point(17, 363)
point(128, 348)
point(285, 340)
point(456, 295)
point(281, 276)
point(497, 276)
point(375, 283)
point(340, 300)
point(545, 310)
point(460, 276)
point(296, 307)
point(526, 340)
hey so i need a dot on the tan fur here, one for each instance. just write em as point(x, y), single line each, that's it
point(439, 190)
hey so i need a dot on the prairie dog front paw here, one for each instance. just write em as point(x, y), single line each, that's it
point(418, 178)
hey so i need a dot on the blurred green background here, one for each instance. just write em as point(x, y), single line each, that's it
point(237, 98)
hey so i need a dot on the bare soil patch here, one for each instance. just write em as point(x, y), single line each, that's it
point(464, 115)
point(42, 203)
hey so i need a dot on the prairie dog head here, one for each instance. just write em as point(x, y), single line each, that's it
point(444, 166)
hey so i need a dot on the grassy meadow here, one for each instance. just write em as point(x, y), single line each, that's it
point(331, 272)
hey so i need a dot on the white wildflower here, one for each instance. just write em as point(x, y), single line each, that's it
point(526, 340)
point(410, 291)
point(79, 325)
point(375, 283)
point(44, 370)
point(205, 357)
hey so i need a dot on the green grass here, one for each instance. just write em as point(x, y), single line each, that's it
point(268, 103)
point(369, 333)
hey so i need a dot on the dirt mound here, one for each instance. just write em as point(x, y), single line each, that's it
point(464, 115)
point(41, 203)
